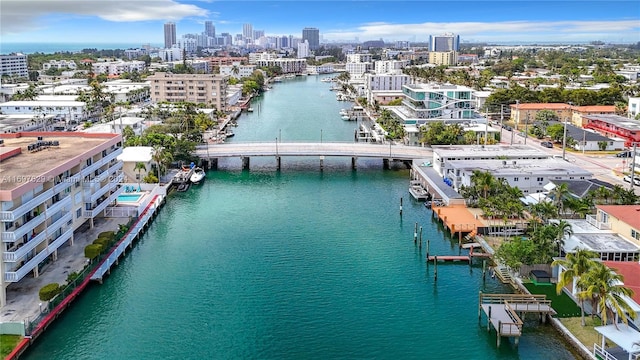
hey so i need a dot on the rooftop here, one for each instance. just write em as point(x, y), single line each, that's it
point(629, 214)
point(29, 166)
point(521, 167)
point(50, 103)
point(617, 120)
point(136, 154)
point(629, 270)
point(490, 151)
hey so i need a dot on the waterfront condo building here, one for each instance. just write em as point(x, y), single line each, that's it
point(14, 64)
point(208, 89)
point(431, 102)
point(52, 183)
point(288, 66)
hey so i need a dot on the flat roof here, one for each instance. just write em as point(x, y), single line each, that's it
point(34, 166)
point(136, 154)
point(600, 242)
point(488, 151)
point(43, 103)
point(532, 167)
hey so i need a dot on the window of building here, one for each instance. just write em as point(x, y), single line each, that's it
point(516, 179)
point(78, 213)
point(635, 234)
point(539, 179)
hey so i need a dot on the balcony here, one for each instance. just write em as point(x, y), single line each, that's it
point(88, 214)
point(598, 224)
point(103, 190)
point(65, 184)
point(16, 213)
point(55, 208)
point(99, 163)
point(13, 256)
point(51, 229)
point(13, 236)
point(15, 276)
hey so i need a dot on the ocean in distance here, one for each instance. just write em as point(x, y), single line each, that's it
point(51, 47)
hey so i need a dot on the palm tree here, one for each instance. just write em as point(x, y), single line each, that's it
point(576, 265)
point(139, 167)
point(484, 181)
point(563, 228)
point(607, 289)
point(161, 157)
point(559, 193)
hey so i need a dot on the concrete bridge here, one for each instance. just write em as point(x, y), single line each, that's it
point(386, 152)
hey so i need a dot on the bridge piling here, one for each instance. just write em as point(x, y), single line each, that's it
point(278, 162)
point(353, 162)
point(213, 163)
point(386, 164)
point(245, 162)
point(321, 162)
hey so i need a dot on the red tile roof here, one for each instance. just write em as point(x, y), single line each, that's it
point(629, 270)
point(541, 106)
point(596, 108)
point(629, 214)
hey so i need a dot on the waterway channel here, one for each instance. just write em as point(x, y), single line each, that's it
point(296, 264)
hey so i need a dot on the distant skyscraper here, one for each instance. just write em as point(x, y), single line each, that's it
point(209, 29)
point(312, 35)
point(444, 43)
point(247, 31)
point(169, 34)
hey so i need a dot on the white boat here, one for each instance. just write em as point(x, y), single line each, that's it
point(345, 117)
point(250, 109)
point(344, 112)
point(197, 176)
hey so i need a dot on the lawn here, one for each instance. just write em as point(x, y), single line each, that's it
point(8, 343)
point(585, 334)
point(562, 304)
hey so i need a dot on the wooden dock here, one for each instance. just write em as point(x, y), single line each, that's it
point(450, 258)
point(503, 312)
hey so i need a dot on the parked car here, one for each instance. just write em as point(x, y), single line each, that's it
point(547, 144)
point(636, 179)
point(624, 154)
point(507, 127)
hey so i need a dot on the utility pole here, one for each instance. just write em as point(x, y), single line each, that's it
point(516, 120)
point(564, 136)
point(501, 120)
point(633, 166)
point(526, 128)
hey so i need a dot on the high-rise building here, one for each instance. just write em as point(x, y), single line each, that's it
point(247, 32)
point(444, 43)
point(209, 29)
point(312, 35)
point(14, 65)
point(169, 34)
point(303, 50)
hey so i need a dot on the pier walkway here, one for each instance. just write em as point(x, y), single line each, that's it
point(504, 312)
point(134, 231)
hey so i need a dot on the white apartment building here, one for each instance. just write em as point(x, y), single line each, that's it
point(390, 66)
point(356, 70)
point(52, 184)
point(262, 56)
point(634, 106)
point(530, 176)
point(14, 64)
point(117, 67)
point(170, 54)
point(60, 64)
point(198, 66)
point(288, 66)
point(320, 69)
point(237, 70)
point(359, 58)
point(384, 88)
point(74, 111)
point(303, 50)
point(189, 45)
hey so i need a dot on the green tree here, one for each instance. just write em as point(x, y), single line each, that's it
point(607, 290)
point(576, 265)
point(139, 167)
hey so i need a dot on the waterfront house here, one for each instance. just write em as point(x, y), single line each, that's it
point(132, 155)
point(53, 183)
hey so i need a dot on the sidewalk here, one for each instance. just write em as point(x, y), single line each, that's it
point(23, 302)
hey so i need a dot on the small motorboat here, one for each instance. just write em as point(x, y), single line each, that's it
point(229, 133)
point(197, 176)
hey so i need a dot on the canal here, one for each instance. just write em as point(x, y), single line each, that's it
point(296, 264)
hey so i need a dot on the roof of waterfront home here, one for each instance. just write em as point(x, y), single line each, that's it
point(532, 167)
point(629, 214)
point(629, 270)
point(489, 151)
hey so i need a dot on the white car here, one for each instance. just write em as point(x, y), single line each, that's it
point(636, 179)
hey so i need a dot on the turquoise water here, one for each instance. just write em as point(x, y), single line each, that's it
point(297, 264)
point(129, 197)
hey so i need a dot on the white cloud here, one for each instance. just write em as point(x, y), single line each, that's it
point(24, 15)
point(513, 30)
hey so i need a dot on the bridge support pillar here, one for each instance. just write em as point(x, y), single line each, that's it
point(245, 162)
point(354, 162)
point(385, 164)
point(321, 162)
point(278, 162)
point(213, 163)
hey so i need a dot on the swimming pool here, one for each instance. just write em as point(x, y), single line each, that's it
point(129, 197)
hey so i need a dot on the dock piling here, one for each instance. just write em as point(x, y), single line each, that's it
point(435, 264)
point(420, 246)
point(400, 206)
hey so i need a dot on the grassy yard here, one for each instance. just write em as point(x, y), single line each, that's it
point(7, 343)
point(585, 334)
point(562, 304)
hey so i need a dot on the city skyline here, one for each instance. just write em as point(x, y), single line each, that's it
point(104, 21)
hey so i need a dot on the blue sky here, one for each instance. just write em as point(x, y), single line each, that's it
point(140, 21)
